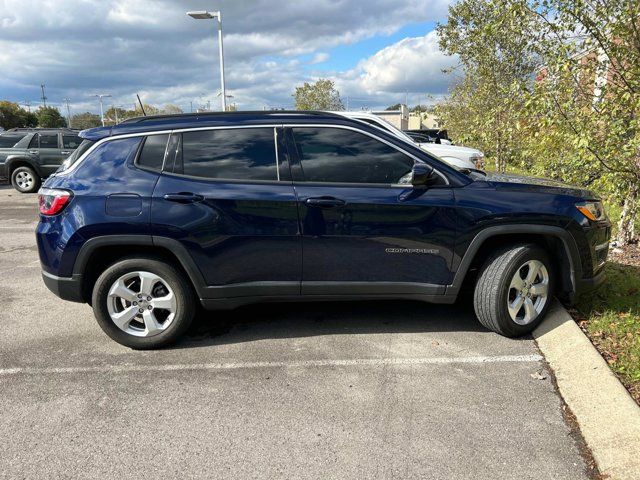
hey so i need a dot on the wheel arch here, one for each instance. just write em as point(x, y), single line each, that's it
point(99, 252)
point(556, 241)
point(19, 161)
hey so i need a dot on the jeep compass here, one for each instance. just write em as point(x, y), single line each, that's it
point(158, 216)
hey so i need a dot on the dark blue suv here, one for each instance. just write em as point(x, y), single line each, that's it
point(156, 216)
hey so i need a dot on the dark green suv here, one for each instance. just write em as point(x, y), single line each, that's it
point(29, 155)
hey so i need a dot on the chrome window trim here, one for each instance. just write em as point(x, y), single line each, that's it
point(275, 145)
point(263, 125)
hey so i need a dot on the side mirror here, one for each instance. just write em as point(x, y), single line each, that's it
point(423, 175)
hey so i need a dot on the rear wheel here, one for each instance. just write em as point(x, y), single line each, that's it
point(25, 180)
point(514, 290)
point(143, 303)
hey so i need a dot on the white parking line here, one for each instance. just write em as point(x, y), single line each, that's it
point(253, 365)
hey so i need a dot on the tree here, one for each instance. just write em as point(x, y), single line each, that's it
point(86, 120)
point(395, 106)
point(49, 117)
point(485, 107)
point(12, 115)
point(554, 84)
point(170, 109)
point(321, 95)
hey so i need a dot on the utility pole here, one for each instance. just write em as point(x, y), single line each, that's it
point(44, 97)
point(67, 100)
point(191, 104)
point(27, 103)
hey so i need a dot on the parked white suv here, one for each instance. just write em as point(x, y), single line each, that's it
point(461, 157)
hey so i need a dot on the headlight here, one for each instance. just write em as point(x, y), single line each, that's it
point(594, 211)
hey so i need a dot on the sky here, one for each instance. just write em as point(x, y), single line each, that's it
point(376, 51)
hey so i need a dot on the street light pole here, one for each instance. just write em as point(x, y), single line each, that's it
point(67, 100)
point(204, 15)
point(101, 96)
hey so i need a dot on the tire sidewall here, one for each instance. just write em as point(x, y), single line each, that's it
point(508, 324)
point(176, 281)
point(32, 172)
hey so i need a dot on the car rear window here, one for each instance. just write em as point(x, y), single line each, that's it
point(230, 154)
point(8, 140)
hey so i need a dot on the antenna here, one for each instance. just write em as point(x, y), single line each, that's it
point(141, 106)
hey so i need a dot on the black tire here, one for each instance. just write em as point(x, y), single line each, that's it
point(491, 292)
point(32, 186)
point(175, 280)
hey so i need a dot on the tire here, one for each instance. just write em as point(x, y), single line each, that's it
point(145, 324)
point(497, 289)
point(25, 180)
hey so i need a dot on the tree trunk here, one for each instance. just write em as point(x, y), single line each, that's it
point(626, 225)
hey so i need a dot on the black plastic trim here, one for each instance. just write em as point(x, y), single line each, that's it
point(567, 239)
point(67, 288)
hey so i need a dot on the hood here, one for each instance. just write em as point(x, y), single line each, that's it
point(522, 182)
point(450, 150)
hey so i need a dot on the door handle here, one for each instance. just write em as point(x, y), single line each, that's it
point(65, 153)
point(33, 152)
point(183, 197)
point(325, 202)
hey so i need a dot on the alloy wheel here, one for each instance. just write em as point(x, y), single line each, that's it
point(528, 292)
point(141, 304)
point(24, 180)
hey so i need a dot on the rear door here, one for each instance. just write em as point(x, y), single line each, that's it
point(365, 229)
point(48, 151)
point(226, 195)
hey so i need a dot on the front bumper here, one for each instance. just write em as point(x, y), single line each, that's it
point(65, 287)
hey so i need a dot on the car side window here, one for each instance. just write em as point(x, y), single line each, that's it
point(48, 140)
point(71, 141)
point(152, 152)
point(335, 155)
point(33, 143)
point(229, 154)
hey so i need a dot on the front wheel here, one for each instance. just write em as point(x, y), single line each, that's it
point(25, 180)
point(143, 303)
point(514, 290)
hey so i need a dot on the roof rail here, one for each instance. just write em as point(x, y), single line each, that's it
point(177, 116)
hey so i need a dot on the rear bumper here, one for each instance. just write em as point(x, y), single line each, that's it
point(65, 287)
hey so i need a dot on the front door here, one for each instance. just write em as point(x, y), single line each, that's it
point(365, 229)
point(229, 201)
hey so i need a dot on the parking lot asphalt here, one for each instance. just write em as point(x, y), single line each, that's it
point(339, 390)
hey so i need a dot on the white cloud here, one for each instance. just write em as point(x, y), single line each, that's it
point(412, 64)
point(319, 57)
point(77, 47)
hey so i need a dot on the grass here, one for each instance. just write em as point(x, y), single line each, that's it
point(611, 319)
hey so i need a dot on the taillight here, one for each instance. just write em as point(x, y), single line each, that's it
point(52, 201)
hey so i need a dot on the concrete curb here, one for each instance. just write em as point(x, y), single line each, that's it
point(608, 417)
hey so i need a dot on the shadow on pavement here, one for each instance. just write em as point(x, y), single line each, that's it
point(291, 320)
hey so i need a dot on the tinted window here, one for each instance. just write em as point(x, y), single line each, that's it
point(232, 154)
point(8, 140)
point(48, 140)
point(152, 154)
point(34, 141)
point(71, 141)
point(338, 155)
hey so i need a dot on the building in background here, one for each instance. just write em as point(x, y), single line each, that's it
point(397, 118)
point(423, 121)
